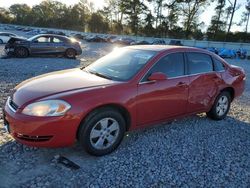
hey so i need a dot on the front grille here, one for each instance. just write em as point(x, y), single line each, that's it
point(13, 106)
point(33, 138)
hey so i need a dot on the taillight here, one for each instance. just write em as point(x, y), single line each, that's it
point(236, 71)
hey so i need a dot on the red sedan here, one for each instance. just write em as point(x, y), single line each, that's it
point(130, 88)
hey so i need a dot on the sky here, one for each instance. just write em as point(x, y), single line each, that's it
point(205, 16)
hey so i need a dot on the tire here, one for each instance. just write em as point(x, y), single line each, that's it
point(21, 52)
point(70, 53)
point(1, 41)
point(102, 131)
point(221, 106)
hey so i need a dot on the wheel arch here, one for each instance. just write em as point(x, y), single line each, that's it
point(27, 48)
point(121, 109)
point(231, 91)
point(70, 48)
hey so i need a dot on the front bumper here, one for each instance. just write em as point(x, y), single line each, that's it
point(41, 131)
point(9, 51)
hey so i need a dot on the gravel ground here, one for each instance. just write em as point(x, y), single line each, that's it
point(191, 152)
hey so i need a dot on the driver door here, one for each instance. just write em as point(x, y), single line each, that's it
point(163, 99)
point(41, 45)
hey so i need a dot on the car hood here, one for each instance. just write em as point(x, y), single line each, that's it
point(14, 39)
point(54, 83)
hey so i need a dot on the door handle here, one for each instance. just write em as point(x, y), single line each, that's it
point(181, 84)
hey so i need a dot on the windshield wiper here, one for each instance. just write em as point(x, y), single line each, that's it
point(99, 74)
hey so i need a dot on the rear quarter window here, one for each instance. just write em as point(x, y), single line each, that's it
point(199, 63)
point(218, 65)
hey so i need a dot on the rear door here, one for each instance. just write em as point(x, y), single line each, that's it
point(59, 45)
point(163, 99)
point(204, 81)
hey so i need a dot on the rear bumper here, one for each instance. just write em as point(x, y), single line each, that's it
point(41, 131)
point(239, 87)
point(78, 51)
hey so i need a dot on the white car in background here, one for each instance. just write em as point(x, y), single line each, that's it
point(5, 36)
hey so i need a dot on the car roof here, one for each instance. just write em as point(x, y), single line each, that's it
point(159, 47)
point(51, 35)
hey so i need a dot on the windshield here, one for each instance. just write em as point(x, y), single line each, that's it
point(121, 64)
point(31, 38)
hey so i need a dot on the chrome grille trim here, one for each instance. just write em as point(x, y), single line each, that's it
point(9, 101)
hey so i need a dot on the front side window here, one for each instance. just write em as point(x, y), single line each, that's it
point(172, 65)
point(121, 64)
point(40, 39)
point(43, 39)
point(199, 63)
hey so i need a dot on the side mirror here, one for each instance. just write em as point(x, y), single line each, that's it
point(35, 41)
point(157, 76)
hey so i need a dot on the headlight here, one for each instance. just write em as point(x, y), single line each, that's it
point(47, 108)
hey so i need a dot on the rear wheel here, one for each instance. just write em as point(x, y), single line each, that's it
point(102, 131)
point(21, 52)
point(70, 53)
point(221, 106)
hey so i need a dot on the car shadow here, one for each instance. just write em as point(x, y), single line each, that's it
point(194, 144)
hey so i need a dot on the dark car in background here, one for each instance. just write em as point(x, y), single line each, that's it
point(175, 43)
point(78, 36)
point(159, 42)
point(46, 44)
point(96, 39)
point(123, 41)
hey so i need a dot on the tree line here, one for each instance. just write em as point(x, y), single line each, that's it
point(154, 18)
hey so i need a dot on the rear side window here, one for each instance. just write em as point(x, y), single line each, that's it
point(218, 65)
point(172, 65)
point(57, 40)
point(199, 63)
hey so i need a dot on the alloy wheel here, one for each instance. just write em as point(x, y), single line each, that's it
point(222, 105)
point(104, 133)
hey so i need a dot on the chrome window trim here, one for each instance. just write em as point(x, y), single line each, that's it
point(157, 62)
point(185, 75)
point(147, 82)
point(10, 107)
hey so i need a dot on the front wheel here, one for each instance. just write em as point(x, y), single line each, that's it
point(21, 52)
point(220, 107)
point(102, 131)
point(70, 53)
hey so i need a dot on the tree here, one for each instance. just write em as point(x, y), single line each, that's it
point(217, 24)
point(114, 15)
point(245, 16)
point(233, 5)
point(21, 13)
point(158, 6)
point(97, 24)
point(148, 29)
point(5, 16)
point(190, 10)
point(173, 15)
point(133, 9)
